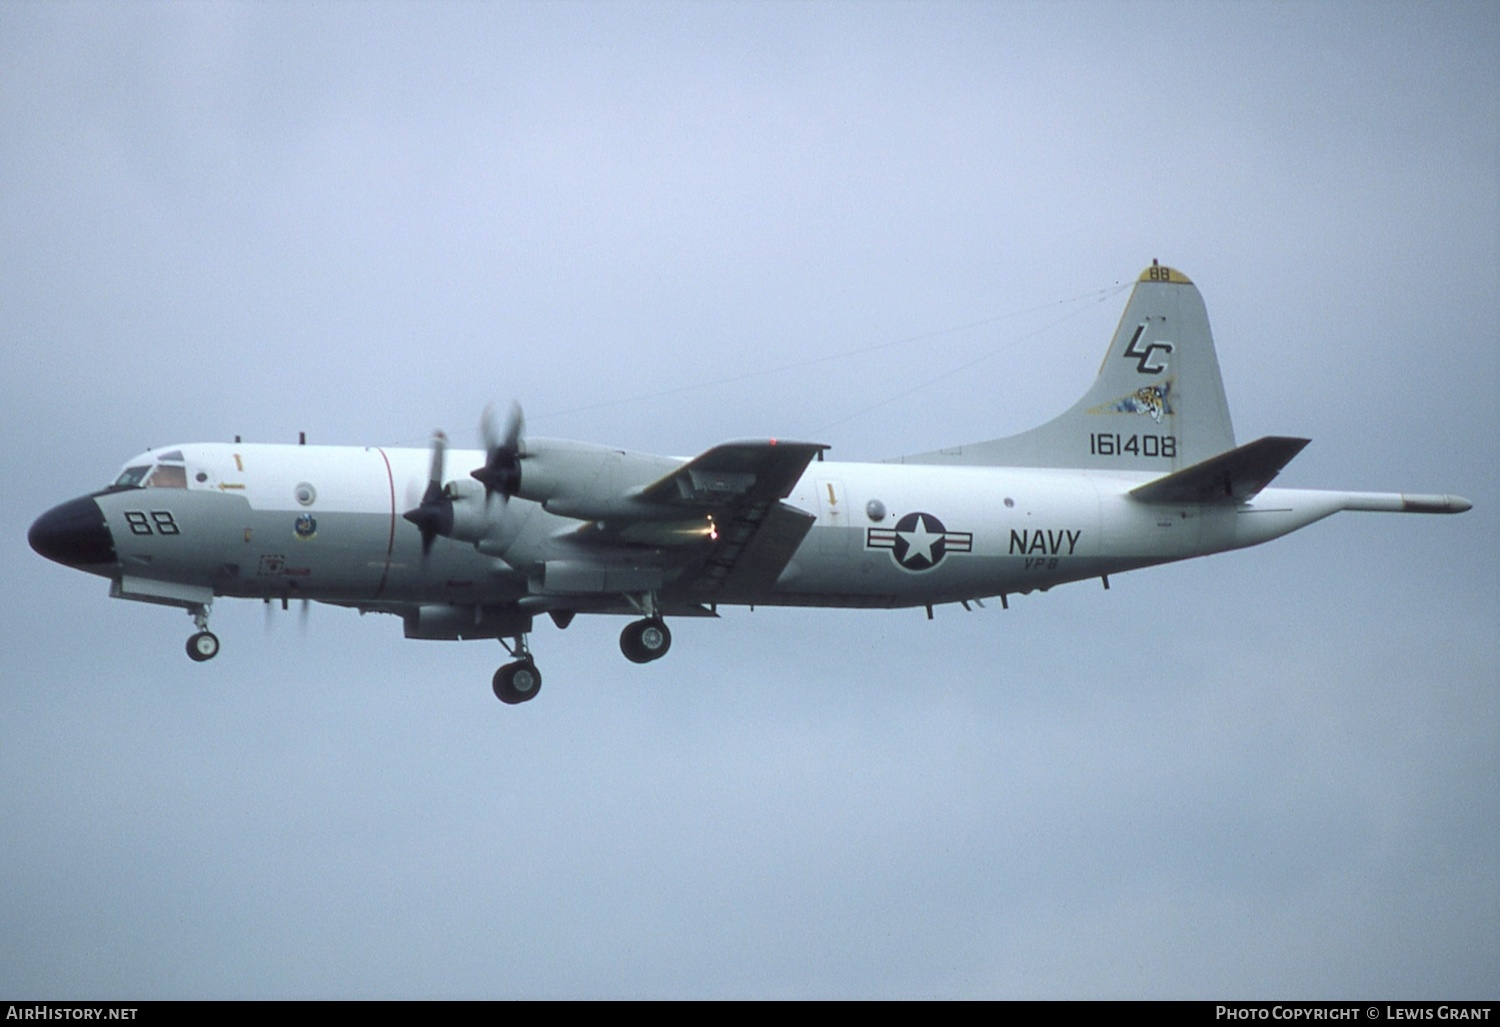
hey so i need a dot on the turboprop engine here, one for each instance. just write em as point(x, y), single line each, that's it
point(575, 479)
point(571, 479)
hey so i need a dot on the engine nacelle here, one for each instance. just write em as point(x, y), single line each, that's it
point(473, 518)
point(575, 479)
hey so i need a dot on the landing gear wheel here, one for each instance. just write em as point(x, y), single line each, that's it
point(517, 682)
point(203, 646)
point(645, 640)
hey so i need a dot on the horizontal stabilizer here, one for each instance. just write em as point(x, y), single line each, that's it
point(1235, 476)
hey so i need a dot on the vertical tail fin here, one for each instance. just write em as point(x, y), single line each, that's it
point(1157, 405)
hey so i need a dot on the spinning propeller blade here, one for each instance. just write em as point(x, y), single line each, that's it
point(434, 515)
point(502, 460)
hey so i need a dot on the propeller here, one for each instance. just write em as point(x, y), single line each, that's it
point(434, 515)
point(502, 454)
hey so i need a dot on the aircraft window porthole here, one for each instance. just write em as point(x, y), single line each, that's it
point(200, 477)
point(306, 494)
point(875, 510)
point(1009, 502)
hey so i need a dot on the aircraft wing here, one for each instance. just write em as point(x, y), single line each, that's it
point(1231, 477)
point(734, 474)
point(718, 520)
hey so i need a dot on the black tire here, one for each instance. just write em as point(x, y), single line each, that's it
point(645, 640)
point(203, 646)
point(517, 682)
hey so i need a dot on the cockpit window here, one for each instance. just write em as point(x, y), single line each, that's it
point(168, 476)
point(174, 456)
point(132, 477)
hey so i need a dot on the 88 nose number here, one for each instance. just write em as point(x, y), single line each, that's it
point(153, 522)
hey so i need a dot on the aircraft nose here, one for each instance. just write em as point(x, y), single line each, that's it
point(74, 534)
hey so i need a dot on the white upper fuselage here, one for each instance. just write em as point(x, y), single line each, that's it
point(325, 522)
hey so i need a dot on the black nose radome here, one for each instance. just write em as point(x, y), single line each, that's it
point(74, 534)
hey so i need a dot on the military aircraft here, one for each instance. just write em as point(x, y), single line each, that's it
point(1143, 470)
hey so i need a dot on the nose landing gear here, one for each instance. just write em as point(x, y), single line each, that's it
point(205, 644)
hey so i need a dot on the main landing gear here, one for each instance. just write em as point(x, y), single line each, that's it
point(645, 640)
point(205, 644)
point(520, 681)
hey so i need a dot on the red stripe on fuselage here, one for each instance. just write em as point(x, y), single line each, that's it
point(390, 545)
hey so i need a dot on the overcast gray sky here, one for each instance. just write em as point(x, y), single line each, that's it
point(1269, 773)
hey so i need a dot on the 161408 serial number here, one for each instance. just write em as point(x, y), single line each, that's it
point(1103, 443)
